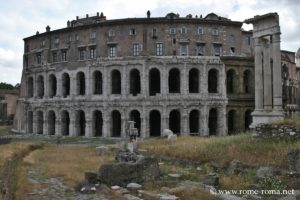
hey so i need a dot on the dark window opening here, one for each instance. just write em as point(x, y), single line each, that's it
point(97, 77)
point(174, 121)
point(80, 123)
point(230, 82)
point(97, 123)
point(40, 122)
point(51, 122)
point(136, 117)
point(155, 123)
point(194, 81)
point(65, 85)
point(52, 86)
point(248, 119)
point(30, 122)
point(213, 121)
point(154, 82)
point(213, 81)
point(40, 87)
point(65, 123)
point(247, 82)
point(194, 121)
point(231, 116)
point(80, 78)
point(174, 81)
point(116, 124)
point(30, 87)
point(115, 82)
point(135, 82)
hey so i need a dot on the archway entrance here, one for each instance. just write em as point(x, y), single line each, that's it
point(155, 123)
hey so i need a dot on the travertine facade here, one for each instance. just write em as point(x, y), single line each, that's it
point(168, 72)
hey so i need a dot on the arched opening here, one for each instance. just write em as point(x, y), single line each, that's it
point(194, 81)
point(174, 121)
point(135, 82)
point(136, 117)
point(174, 81)
point(213, 81)
point(80, 82)
point(30, 87)
point(97, 123)
point(65, 85)
point(39, 122)
point(40, 86)
point(194, 121)
point(213, 121)
point(231, 116)
point(115, 82)
point(230, 81)
point(65, 123)
point(97, 77)
point(248, 119)
point(154, 82)
point(52, 85)
point(248, 83)
point(80, 123)
point(30, 122)
point(155, 123)
point(116, 123)
point(51, 122)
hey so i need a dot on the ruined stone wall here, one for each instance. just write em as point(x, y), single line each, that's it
point(267, 131)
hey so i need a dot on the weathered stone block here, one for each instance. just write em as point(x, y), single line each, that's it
point(294, 160)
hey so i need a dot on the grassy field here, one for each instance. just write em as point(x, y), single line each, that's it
point(4, 130)
point(222, 150)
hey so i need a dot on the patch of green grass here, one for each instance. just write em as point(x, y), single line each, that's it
point(4, 130)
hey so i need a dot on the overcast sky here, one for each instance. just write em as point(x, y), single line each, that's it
point(22, 18)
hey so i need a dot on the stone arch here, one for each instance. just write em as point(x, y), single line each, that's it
point(248, 119)
point(116, 123)
point(231, 122)
point(97, 82)
point(194, 80)
point(51, 122)
point(154, 81)
point(52, 85)
point(213, 81)
point(155, 123)
point(136, 117)
point(248, 82)
point(175, 121)
point(174, 81)
point(80, 83)
point(194, 117)
point(97, 123)
point(65, 123)
point(135, 82)
point(213, 121)
point(116, 82)
point(30, 87)
point(39, 122)
point(231, 81)
point(40, 86)
point(80, 123)
point(65, 84)
point(30, 122)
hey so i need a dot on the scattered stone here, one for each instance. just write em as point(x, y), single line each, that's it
point(115, 187)
point(263, 172)
point(122, 191)
point(145, 169)
point(131, 197)
point(294, 160)
point(133, 186)
point(93, 189)
point(211, 179)
point(161, 163)
point(172, 138)
point(101, 150)
point(235, 167)
point(126, 156)
point(167, 197)
point(148, 194)
point(175, 175)
point(91, 177)
point(199, 168)
point(166, 133)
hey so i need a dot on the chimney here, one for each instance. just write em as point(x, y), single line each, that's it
point(148, 14)
point(37, 33)
point(97, 14)
point(87, 16)
point(48, 28)
point(68, 24)
point(77, 18)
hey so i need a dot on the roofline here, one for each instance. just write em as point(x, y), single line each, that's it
point(139, 21)
point(286, 51)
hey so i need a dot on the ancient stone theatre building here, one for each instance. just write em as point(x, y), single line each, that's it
point(193, 75)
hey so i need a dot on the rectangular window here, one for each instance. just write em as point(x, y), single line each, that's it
point(111, 33)
point(54, 56)
point(38, 58)
point(217, 49)
point(215, 31)
point(56, 40)
point(172, 31)
point(200, 30)
point(200, 50)
point(183, 30)
point(93, 35)
point(132, 31)
point(64, 55)
point(136, 49)
point(112, 51)
point(77, 37)
point(232, 38)
point(43, 43)
point(249, 40)
point(159, 49)
point(81, 54)
point(92, 52)
point(154, 33)
point(232, 50)
point(184, 50)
